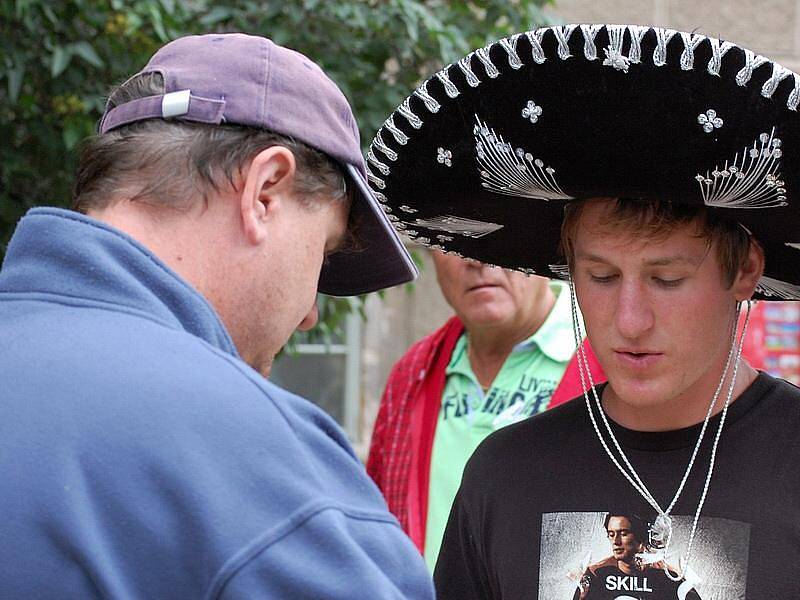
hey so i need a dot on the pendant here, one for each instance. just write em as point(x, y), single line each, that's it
point(660, 531)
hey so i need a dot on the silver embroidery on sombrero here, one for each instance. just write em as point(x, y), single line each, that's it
point(774, 288)
point(400, 137)
point(709, 120)
point(690, 43)
point(430, 102)
point(663, 36)
point(532, 111)
point(375, 180)
point(449, 87)
point(589, 47)
point(779, 73)
point(751, 62)
point(504, 170)
point(373, 160)
point(563, 34)
point(560, 271)
point(535, 39)
point(637, 33)
point(405, 110)
point(465, 64)
point(751, 181)
point(483, 56)
point(718, 50)
point(509, 44)
point(444, 157)
point(614, 57)
point(794, 97)
point(459, 225)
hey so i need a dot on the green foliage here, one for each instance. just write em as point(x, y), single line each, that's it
point(58, 59)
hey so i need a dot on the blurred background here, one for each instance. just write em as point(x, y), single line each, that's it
point(58, 58)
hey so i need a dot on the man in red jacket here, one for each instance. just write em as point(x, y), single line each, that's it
point(499, 360)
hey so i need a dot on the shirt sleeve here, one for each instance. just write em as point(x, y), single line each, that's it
point(330, 554)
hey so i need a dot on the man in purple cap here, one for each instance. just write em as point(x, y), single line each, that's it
point(144, 453)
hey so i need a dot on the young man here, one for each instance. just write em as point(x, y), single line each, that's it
point(499, 360)
point(144, 452)
point(665, 164)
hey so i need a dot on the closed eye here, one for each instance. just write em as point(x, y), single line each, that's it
point(603, 278)
point(669, 283)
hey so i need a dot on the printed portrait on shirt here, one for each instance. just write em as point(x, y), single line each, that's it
point(612, 556)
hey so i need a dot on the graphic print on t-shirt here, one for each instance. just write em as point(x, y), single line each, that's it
point(608, 556)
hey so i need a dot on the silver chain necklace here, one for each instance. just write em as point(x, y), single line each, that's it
point(660, 532)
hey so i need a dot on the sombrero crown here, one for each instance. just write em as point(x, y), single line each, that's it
point(482, 157)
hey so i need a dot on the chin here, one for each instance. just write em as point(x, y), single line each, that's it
point(488, 317)
point(642, 393)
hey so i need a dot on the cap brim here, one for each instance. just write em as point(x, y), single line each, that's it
point(381, 261)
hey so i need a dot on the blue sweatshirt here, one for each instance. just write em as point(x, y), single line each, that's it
point(141, 458)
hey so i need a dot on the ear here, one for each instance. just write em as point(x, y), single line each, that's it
point(268, 183)
point(749, 273)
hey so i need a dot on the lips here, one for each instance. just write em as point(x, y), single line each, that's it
point(637, 359)
point(481, 286)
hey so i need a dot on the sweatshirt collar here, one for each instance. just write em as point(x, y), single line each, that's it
point(63, 253)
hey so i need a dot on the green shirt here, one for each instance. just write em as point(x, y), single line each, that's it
point(522, 388)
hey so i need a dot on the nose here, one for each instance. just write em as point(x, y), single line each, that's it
point(310, 319)
point(634, 315)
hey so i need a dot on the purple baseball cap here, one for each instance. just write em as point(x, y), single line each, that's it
point(250, 80)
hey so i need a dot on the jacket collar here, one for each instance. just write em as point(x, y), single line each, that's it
point(57, 252)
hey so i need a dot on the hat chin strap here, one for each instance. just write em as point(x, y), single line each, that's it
point(660, 531)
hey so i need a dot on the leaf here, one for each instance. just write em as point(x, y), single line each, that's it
point(87, 53)
point(76, 127)
point(60, 60)
point(15, 77)
point(71, 135)
point(158, 22)
point(215, 15)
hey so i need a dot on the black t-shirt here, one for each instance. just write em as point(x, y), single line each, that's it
point(528, 520)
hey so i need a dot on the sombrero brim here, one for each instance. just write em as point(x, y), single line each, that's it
point(481, 159)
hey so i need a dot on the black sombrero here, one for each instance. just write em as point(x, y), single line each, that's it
point(482, 157)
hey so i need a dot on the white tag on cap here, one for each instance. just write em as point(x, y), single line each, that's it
point(175, 104)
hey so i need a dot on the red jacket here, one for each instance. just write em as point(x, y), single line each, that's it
point(402, 440)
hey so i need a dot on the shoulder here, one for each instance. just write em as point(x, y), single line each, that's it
point(548, 435)
point(606, 563)
point(774, 397)
point(540, 429)
point(774, 386)
point(140, 388)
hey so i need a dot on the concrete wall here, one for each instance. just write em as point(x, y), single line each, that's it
point(769, 27)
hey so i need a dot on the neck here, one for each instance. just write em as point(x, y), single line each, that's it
point(626, 568)
point(490, 345)
point(180, 239)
